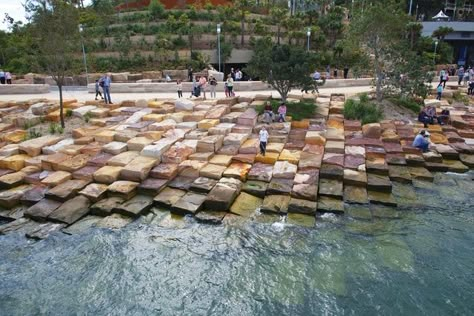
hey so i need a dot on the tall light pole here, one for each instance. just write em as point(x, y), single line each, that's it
point(434, 56)
point(219, 44)
point(81, 29)
point(411, 5)
point(308, 34)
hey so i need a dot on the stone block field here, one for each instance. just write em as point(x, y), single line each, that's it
point(201, 158)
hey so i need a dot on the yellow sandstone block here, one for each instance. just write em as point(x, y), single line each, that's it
point(106, 136)
point(153, 117)
point(269, 158)
point(15, 136)
point(292, 156)
point(207, 123)
point(304, 124)
point(439, 139)
point(15, 162)
point(155, 104)
point(53, 116)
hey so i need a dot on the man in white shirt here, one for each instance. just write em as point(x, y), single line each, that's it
point(238, 75)
point(263, 137)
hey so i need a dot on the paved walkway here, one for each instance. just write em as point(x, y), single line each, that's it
point(82, 95)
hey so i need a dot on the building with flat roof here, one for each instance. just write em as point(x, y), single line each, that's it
point(462, 39)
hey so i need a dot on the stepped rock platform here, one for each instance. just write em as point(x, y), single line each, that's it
point(201, 158)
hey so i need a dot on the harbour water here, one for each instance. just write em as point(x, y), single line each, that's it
point(416, 259)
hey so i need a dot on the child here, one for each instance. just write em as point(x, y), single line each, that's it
point(263, 137)
point(179, 88)
point(97, 90)
point(281, 112)
point(440, 91)
point(470, 90)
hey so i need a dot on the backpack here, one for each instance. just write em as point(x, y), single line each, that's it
point(101, 82)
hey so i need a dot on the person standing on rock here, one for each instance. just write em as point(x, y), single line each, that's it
point(97, 90)
point(263, 137)
point(460, 75)
point(213, 84)
point(439, 91)
point(107, 81)
point(179, 88)
point(230, 85)
point(203, 86)
point(8, 77)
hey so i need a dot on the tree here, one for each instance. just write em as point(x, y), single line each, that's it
point(242, 7)
point(442, 31)
point(284, 67)
point(377, 32)
point(332, 24)
point(278, 16)
point(56, 35)
point(156, 8)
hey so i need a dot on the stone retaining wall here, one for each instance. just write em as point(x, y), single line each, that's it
point(24, 89)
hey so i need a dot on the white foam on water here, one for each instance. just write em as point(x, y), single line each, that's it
point(329, 216)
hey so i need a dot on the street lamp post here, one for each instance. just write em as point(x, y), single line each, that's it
point(434, 56)
point(81, 29)
point(411, 5)
point(308, 33)
point(219, 44)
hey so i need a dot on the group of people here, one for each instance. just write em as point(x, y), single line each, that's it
point(269, 116)
point(428, 115)
point(103, 83)
point(5, 77)
point(201, 84)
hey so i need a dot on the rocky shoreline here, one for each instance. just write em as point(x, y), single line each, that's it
point(200, 158)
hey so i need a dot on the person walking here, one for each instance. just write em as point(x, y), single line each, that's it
point(8, 77)
point(230, 85)
point(263, 137)
point(460, 75)
point(439, 91)
point(203, 86)
point(335, 73)
point(2, 77)
point(179, 88)
point(213, 84)
point(97, 90)
point(282, 112)
point(107, 81)
point(346, 72)
point(190, 74)
point(443, 77)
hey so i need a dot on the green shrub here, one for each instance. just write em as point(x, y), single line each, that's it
point(407, 103)
point(68, 112)
point(362, 110)
point(60, 130)
point(52, 128)
point(32, 133)
point(87, 117)
point(156, 8)
point(459, 97)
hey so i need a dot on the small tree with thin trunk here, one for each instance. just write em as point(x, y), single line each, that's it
point(56, 33)
point(284, 67)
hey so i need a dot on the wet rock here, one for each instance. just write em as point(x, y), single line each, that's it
point(136, 206)
point(302, 206)
point(384, 198)
point(399, 174)
point(354, 194)
point(421, 173)
point(355, 178)
point(221, 197)
point(71, 211)
point(82, 225)
point(432, 156)
point(168, 196)
point(277, 204)
point(151, 186)
point(396, 159)
point(11, 197)
point(190, 203)
point(331, 188)
point(246, 204)
point(301, 219)
point(114, 221)
point(331, 172)
point(415, 160)
point(94, 191)
point(379, 183)
point(105, 206)
point(181, 182)
point(44, 230)
point(124, 189)
point(212, 218)
point(66, 190)
point(377, 166)
point(328, 204)
point(34, 195)
point(107, 174)
point(305, 191)
point(280, 186)
point(255, 188)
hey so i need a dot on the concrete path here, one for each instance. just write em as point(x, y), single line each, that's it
point(82, 95)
